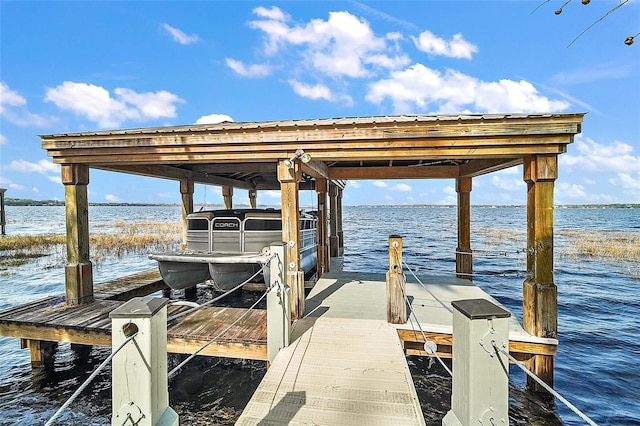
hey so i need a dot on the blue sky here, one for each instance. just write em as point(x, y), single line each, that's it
point(78, 66)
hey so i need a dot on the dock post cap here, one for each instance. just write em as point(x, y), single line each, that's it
point(479, 309)
point(139, 307)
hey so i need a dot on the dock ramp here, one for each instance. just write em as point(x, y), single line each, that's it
point(338, 371)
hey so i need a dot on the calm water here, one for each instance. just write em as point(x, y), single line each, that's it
point(599, 304)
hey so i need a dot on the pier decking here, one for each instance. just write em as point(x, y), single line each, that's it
point(339, 371)
point(347, 365)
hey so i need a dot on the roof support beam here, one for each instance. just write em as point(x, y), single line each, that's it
point(316, 169)
point(484, 166)
point(394, 172)
point(176, 173)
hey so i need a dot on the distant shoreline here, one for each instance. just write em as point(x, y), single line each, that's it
point(39, 203)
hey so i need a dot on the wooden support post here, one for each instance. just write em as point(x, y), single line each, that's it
point(3, 220)
point(253, 197)
point(480, 390)
point(334, 240)
point(186, 193)
point(41, 351)
point(396, 283)
point(464, 256)
point(140, 393)
point(540, 294)
point(78, 271)
point(339, 224)
point(289, 178)
point(278, 304)
point(227, 195)
point(323, 235)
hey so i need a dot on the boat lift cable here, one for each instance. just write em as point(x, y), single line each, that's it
point(89, 380)
point(193, 355)
point(544, 385)
point(209, 302)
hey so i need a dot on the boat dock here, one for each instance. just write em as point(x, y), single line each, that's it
point(346, 364)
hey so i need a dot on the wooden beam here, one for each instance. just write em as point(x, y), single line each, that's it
point(394, 172)
point(289, 178)
point(540, 298)
point(269, 137)
point(78, 270)
point(186, 194)
point(236, 167)
point(316, 169)
point(334, 241)
point(464, 256)
point(487, 165)
point(175, 173)
point(323, 264)
point(227, 196)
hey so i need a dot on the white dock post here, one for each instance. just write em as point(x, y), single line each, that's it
point(480, 394)
point(139, 388)
point(278, 306)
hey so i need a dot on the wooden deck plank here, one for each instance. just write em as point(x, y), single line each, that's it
point(371, 385)
point(130, 286)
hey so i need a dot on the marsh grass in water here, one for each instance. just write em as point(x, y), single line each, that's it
point(120, 239)
point(117, 239)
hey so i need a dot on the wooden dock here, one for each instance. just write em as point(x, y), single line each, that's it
point(52, 320)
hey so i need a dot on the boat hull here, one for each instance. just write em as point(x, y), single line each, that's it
point(181, 275)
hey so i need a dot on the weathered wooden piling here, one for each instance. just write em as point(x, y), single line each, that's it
point(3, 220)
point(396, 283)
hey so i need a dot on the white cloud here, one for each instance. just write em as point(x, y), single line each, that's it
point(594, 157)
point(402, 187)
point(9, 97)
point(255, 70)
point(451, 91)
point(380, 184)
point(626, 181)
point(3, 140)
point(213, 119)
point(13, 108)
point(354, 184)
point(9, 184)
point(179, 36)
point(43, 166)
point(457, 47)
point(35, 189)
point(55, 179)
point(274, 13)
point(96, 104)
point(568, 193)
point(341, 46)
point(506, 184)
point(112, 198)
point(319, 91)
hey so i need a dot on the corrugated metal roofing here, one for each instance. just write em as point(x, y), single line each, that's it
point(321, 122)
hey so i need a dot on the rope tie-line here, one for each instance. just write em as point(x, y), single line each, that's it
point(89, 380)
point(544, 385)
point(215, 299)
point(193, 355)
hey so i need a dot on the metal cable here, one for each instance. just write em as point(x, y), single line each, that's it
point(209, 302)
point(424, 336)
point(444, 305)
point(546, 386)
point(175, 370)
point(89, 380)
